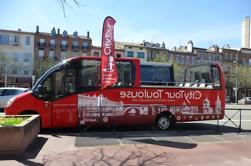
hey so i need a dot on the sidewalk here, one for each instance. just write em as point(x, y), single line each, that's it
point(60, 150)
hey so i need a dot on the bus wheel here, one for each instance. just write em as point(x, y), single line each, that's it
point(163, 122)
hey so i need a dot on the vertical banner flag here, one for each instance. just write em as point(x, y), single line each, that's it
point(108, 66)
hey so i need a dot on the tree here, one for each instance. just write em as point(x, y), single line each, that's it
point(162, 57)
point(179, 72)
point(3, 63)
point(69, 3)
point(243, 76)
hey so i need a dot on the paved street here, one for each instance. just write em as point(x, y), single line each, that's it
point(193, 143)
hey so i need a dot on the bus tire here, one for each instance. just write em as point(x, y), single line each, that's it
point(164, 121)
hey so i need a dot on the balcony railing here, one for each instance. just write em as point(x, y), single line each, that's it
point(52, 46)
point(41, 44)
point(64, 46)
point(15, 43)
point(85, 48)
point(75, 47)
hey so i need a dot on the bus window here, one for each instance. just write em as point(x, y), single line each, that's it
point(156, 75)
point(216, 76)
point(126, 74)
point(199, 74)
point(65, 81)
point(88, 75)
point(46, 89)
point(59, 84)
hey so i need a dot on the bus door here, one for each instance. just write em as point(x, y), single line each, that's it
point(64, 104)
point(44, 93)
point(58, 101)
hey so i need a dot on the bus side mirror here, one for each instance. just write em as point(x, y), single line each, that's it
point(40, 91)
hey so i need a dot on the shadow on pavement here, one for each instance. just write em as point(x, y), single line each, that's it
point(171, 144)
point(176, 137)
point(115, 155)
point(181, 129)
point(30, 153)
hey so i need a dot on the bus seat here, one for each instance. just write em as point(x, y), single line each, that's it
point(188, 84)
point(180, 85)
point(209, 86)
point(195, 85)
point(202, 83)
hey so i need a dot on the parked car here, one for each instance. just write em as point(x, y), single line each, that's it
point(7, 93)
point(245, 100)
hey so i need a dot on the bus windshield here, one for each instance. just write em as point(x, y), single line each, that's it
point(203, 74)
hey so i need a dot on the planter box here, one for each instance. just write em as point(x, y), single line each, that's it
point(15, 139)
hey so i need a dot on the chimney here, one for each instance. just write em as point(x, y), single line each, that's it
point(37, 31)
point(58, 31)
point(216, 48)
point(163, 45)
point(88, 34)
point(190, 46)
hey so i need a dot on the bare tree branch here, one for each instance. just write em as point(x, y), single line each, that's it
point(65, 3)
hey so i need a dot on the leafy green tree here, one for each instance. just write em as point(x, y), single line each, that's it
point(3, 62)
point(179, 72)
point(162, 57)
point(243, 76)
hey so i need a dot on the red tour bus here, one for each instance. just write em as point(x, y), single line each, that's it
point(69, 94)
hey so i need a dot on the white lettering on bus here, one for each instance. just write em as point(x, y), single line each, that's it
point(141, 94)
point(191, 95)
point(158, 94)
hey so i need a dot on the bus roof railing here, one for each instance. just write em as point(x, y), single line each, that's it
point(176, 84)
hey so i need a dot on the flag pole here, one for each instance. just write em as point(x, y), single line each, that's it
point(108, 70)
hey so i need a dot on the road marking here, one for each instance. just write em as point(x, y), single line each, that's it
point(154, 139)
point(120, 142)
point(217, 137)
point(235, 120)
point(193, 141)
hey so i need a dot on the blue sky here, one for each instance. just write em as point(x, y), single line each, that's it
point(205, 22)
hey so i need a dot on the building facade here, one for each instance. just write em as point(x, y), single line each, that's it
point(155, 51)
point(132, 50)
point(211, 54)
point(51, 48)
point(230, 59)
point(246, 33)
point(96, 51)
point(16, 58)
point(244, 72)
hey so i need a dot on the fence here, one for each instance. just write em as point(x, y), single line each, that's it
point(238, 112)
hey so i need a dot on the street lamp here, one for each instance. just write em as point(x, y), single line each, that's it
point(236, 79)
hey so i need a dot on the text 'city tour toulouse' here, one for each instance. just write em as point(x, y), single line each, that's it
point(160, 94)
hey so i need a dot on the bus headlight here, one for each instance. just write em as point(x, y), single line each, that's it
point(10, 101)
